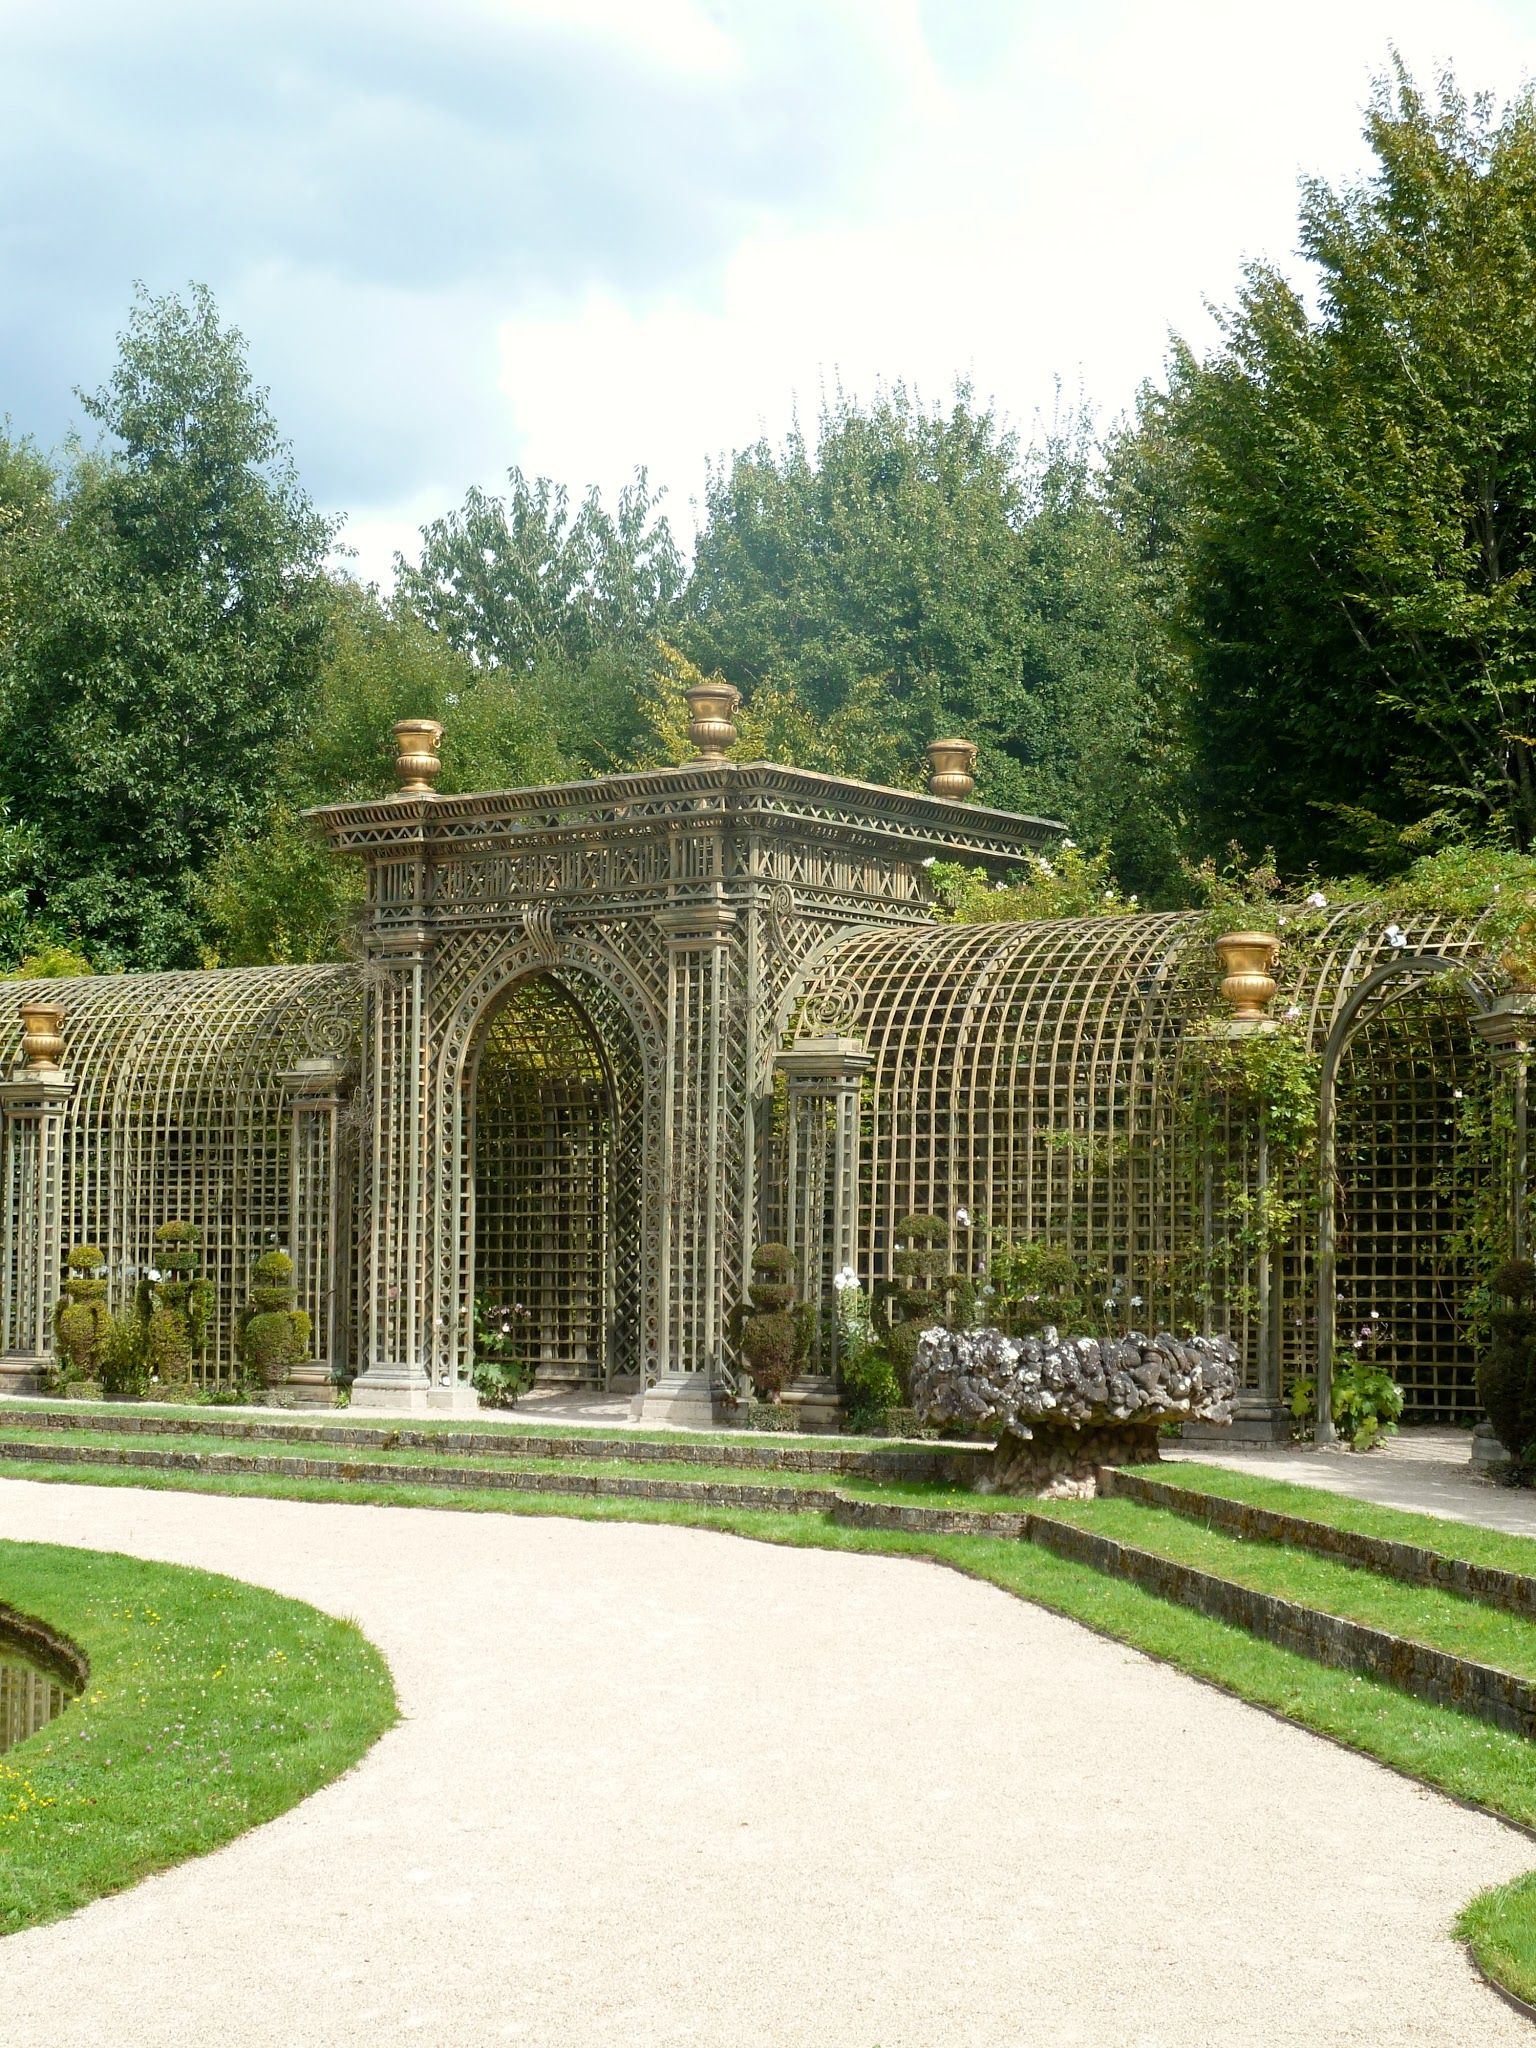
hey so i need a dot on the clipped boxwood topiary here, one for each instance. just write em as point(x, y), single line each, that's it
point(272, 1335)
point(771, 1337)
point(82, 1322)
point(1506, 1375)
point(179, 1305)
point(918, 1297)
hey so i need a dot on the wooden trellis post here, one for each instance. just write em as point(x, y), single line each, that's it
point(32, 1108)
point(823, 1077)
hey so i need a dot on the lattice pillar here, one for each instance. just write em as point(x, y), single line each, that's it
point(398, 1308)
point(823, 1077)
point(700, 1236)
point(317, 1090)
point(32, 1108)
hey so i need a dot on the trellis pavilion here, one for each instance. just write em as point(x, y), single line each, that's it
point(604, 1038)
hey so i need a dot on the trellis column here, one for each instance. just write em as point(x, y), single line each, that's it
point(396, 1303)
point(823, 1078)
point(32, 1109)
point(699, 1236)
point(316, 1090)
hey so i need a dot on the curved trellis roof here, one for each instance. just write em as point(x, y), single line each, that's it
point(180, 1108)
point(1024, 1074)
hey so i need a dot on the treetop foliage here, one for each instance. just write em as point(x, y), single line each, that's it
point(1278, 625)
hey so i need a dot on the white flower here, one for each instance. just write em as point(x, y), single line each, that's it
point(1317, 900)
point(1457, 1093)
point(1045, 867)
point(1111, 1304)
point(451, 699)
point(153, 1275)
point(928, 863)
point(962, 1219)
point(1069, 842)
point(1137, 1302)
point(845, 1279)
point(1292, 1012)
point(1396, 937)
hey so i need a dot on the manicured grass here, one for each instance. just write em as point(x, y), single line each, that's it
point(512, 1422)
point(1500, 1928)
point(908, 1492)
point(211, 1706)
point(1395, 1525)
point(1420, 1614)
point(1452, 1752)
point(1455, 1752)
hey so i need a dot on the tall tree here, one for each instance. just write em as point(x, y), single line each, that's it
point(1350, 503)
point(917, 555)
point(162, 625)
point(526, 583)
point(280, 893)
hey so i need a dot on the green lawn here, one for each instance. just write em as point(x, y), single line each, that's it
point(1445, 1621)
point(1395, 1525)
point(1452, 1752)
point(211, 1706)
point(906, 1492)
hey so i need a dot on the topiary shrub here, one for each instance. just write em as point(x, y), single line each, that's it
point(771, 1337)
point(871, 1390)
point(177, 1306)
point(1506, 1375)
point(918, 1297)
point(121, 1362)
point(82, 1321)
point(271, 1334)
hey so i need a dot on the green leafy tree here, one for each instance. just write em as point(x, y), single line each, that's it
point(914, 560)
point(526, 584)
point(160, 625)
point(280, 893)
point(1344, 496)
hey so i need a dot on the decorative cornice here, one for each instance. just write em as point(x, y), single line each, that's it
point(894, 822)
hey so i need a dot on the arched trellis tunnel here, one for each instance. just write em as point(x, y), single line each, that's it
point(1029, 1081)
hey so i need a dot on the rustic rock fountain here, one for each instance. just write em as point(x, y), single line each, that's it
point(1067, 1405)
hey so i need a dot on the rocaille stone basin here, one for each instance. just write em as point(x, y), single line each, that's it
point(1067, 1405)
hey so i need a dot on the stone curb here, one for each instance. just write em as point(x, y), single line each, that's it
point(1511, 1592)
point(40, 1640)
point(948, 1467)
point(707, 1493)
point(1434, 1675)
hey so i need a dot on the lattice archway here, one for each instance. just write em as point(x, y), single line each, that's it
point(545, 1196)
point(567, 1004)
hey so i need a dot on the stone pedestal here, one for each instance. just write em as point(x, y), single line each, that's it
point(1255, 1421)
point(680, 1402)
point(1062, 1462)
point(308, 1386)
point(1488, 1454)
point(816, 1405)
point(372, 1395)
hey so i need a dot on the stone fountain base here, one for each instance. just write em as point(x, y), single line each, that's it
point(1064, 1406)
point(1062, 1464)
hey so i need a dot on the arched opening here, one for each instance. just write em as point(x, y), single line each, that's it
point(548, 1199)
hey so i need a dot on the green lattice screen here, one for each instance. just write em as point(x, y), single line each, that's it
point(543, 1151)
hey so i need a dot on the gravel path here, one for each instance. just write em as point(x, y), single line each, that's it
point(657, 1786)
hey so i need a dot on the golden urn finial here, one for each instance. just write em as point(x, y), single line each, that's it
point(42, 1039)
point(416, 758)
point(710, 719)
point(1247, 983)
point(950, 763)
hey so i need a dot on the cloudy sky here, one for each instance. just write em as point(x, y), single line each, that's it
point(585, 234)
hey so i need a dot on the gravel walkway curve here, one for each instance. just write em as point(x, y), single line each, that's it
point(659, 1786)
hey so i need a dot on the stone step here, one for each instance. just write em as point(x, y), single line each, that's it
point(950, 1465)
